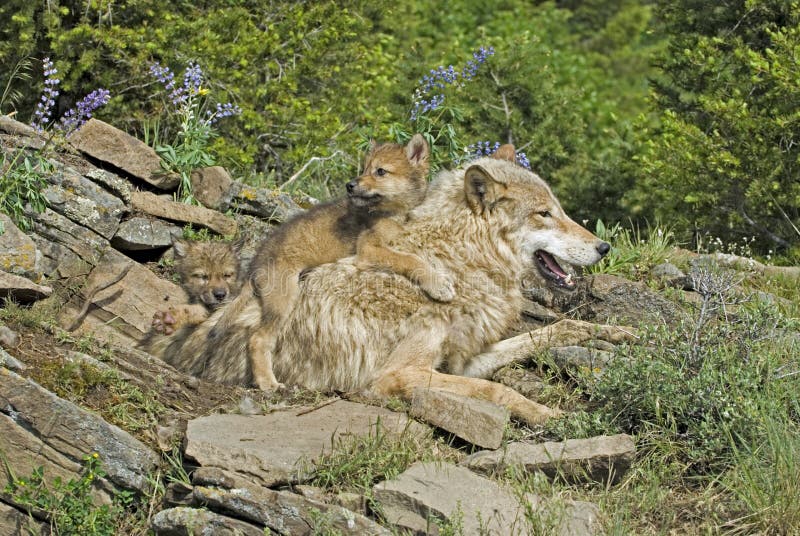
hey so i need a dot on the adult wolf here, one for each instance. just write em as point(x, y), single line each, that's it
point(369, 329)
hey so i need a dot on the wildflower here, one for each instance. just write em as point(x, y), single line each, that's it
point(223, 110)
point(44, 108)
point(76, 117)
point(427, 96)
point(485, 148)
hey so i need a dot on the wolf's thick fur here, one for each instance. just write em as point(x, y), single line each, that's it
point(393, 182)
point(209, 273)
point(354, 329)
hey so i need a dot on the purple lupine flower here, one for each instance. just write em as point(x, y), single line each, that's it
point(485, 148)
point(223, 110)
point(438, 79)
point(77, 116)
point(192, 78)
point(44, 108)
point(479, 57)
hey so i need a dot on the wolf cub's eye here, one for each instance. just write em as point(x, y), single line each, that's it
point(201, 276)
point(380, 172)
point(227, 275)
point(545, 214)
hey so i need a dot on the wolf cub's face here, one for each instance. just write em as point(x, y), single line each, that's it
point(394, 177)
point(209, 271)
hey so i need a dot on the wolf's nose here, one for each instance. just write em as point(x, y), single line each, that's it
point(603, 248)
point(219, 293)
point(350, 186)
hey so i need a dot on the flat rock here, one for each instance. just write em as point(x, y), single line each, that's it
point(476, 421)
point(14, 127)
point(669, 274)
point(210, 185)
point(524, 381)
point(138, 234)
point(110, 145)
point(75, 432)
point(126, 307)
point(83, 201)
point(64, 243)
point(112, 182)
point(284, 512)
point(271, 205)
point(21, 289)
point(277, 448)
point(429, 493)
point(599, 459)
point(9, 361)
point(162, 207)
point(18, 253)
point(14, 522)
point(185, 521)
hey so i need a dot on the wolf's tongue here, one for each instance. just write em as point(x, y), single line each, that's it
point(551, 263)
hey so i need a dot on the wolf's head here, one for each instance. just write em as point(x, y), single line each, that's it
point(536, 224)
point(394, 178)
point(209, 271)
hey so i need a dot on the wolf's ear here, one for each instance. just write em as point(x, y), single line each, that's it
point(481, 189)
point(179, 247)
point(417, 150)
point(505, 152)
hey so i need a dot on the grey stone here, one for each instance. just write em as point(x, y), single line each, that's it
point(477, 421)
point(210, 185)
point(600, 459)
point(8, 337)
point(21, 289)
point(578, 357)
point(75, 432)
point(10, 362)
point(16, 128)
point(84, 202)
point(161, 207)
point(279, 447)
point(539, 312)
point(271, 205)
point(64, 242)
point(670, 274)
point(185, 521)
point(112, 182)
point(427, 494)
point(284, 512)
point(18, 253)
point(138, 234)
point(107, 144)
point(14, 522)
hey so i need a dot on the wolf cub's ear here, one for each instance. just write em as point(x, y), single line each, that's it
point(417, 150)
point(179, 247)
point(481, 189)
point(505, 152)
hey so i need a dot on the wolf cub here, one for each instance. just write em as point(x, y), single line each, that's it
point(393, 182)
point(209, 273)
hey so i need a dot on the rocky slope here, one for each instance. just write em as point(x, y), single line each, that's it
point(72, 382)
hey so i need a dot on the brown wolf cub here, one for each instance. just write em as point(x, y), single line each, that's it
point(394, 181)
point(209, 273)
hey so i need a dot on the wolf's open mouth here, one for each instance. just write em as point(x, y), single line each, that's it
point(549, 267)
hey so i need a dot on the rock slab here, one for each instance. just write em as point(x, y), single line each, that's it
point(161, 207)
point(430, 493)
point(185, 521)
point(599, 459)
point(142, 234)
point(477, 421)
point(277, 448)
point(74, 432)
point(108, 144)
point(18, 254)
point(21, 289)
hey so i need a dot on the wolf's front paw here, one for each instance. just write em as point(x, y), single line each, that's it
point(439, 286)
point(163, 322)
point(269, 384)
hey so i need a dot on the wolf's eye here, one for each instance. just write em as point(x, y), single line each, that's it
point(380, 172)
point(199, 275)
point(545, 214)
point(227, 275)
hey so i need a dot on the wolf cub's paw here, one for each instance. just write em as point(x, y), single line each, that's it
point(270, 385)
point(174, 318)
point(440, 286)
